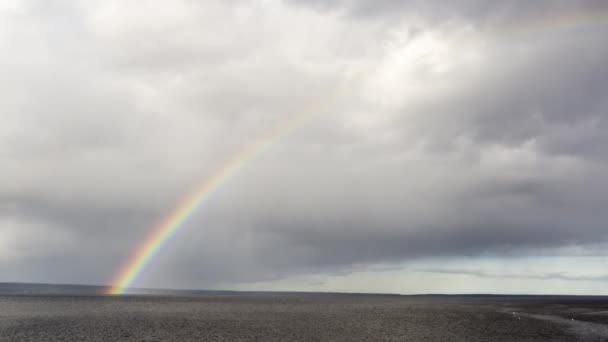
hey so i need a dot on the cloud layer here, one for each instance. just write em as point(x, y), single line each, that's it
point(472, 129)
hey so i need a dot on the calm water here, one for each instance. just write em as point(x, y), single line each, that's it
point(209, 316)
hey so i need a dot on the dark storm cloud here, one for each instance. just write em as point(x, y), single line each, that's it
point(456, 140)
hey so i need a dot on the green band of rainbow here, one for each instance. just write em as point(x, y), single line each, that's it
point(171, 224)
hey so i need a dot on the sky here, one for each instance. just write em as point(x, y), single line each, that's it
point(446, 147)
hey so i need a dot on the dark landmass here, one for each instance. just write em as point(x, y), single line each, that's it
point(36, 312)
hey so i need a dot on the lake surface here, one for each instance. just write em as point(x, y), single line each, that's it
point(226, 316)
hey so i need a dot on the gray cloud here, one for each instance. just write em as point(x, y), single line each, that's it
point(477, 11)
point(430, 137)
point(545, 276)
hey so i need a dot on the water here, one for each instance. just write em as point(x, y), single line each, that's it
point(225, 316)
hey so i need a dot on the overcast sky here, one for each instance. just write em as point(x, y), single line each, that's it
point(450, 147)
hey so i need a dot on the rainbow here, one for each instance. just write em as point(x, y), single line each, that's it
point(171, 224)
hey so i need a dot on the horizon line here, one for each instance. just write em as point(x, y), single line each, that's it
point(177, 290)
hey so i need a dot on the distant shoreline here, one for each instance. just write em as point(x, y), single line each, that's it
point(17, 288)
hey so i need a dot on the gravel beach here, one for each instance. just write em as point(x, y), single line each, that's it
point(301, 317)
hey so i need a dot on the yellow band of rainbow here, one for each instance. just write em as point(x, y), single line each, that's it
point(171, 224)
